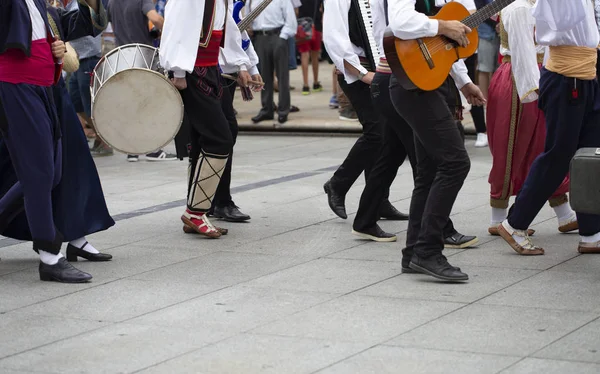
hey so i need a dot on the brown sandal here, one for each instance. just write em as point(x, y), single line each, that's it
point(523, 251)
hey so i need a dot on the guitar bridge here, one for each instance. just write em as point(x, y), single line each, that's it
point(426, 54)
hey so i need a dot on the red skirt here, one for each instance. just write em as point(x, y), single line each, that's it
point(516, 134)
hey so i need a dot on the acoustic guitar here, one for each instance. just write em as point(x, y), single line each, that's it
point(425, 63)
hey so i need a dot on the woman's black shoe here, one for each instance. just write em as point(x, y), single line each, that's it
point(74, 252)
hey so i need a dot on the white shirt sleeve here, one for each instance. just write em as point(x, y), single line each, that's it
point(180, 36)
point(234, 56)
point(379, 24)
point(560, 15)
point(336, 37)
point(460, 74)
point(291, 23)
point(520, 25)
point(406, 23)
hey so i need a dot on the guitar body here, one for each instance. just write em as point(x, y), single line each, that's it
point(425, 63)
point(237, 9)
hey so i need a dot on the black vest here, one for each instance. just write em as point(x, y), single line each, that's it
point(421, 7)
point(354, 25)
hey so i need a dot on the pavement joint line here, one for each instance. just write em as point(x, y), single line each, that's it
point(177, 203)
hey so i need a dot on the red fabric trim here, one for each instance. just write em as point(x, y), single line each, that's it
point(209, 56)
point(38, 69)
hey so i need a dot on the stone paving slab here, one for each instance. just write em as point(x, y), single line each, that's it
point(293, 291)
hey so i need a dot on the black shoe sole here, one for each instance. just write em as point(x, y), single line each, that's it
point(234, 220)
point(409, 271)
point(423, 270)
point(47, 278)
point(394, 218)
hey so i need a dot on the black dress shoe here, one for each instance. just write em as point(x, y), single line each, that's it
point(74, 252)
point(282, 118)
point(294, 109)
point(376, 234)
point(230, 213)
point(406, 266)
point(437, 266)
point(62, 272)
point(389, 212)
point(336, 201)
point(262, 117)
point(459, 241)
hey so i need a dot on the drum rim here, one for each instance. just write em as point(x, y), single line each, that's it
point(173, 88)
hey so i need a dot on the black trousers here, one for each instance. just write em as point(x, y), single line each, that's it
point(223, 194)
point(273, 54)
point(477, 112)
point(442, 164)
point(209, 128)
point(397, 144)
point(365, 151)
point(571, 123)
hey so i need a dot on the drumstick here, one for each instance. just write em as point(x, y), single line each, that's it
point(234, 79)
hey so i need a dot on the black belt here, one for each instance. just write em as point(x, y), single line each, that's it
point(267, 32)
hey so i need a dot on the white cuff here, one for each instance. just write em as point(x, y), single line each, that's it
point(243, 68)
point(253, 70)
point(179, 73)
point(433, 27)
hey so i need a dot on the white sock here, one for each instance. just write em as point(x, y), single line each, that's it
point(591, 239)
point(518, 238)
point(498, 215)
point(563, 212)
point(81, 242)
point(49, 258)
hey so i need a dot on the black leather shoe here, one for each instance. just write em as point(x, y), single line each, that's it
point(294, 109)
point(389, 212)
point(262, 117)
point(459, 241)
point(74, 252)
point(62, 272)
point(282, 118)
point(336, 201)
point(230, 213)
point(376, 234)
point(437, 266)
point(407, 270)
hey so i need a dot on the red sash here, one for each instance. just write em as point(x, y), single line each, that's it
point(38, 69)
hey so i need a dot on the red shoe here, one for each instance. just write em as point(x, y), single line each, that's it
point(190, 230)
point(199, 223)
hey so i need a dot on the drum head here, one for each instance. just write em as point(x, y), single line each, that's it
point(137, 111)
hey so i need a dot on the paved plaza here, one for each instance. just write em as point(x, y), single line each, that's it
point(293, 291)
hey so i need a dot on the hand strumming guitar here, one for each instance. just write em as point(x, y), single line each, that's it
point(454, 30)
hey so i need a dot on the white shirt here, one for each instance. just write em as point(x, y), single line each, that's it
point(336, 37)
point(37, 22)
point(296, 3)
point(520, 24)
point(250, 52)
point(181, 35)
point(406, 23)
point(560, 22)
point(280, 13)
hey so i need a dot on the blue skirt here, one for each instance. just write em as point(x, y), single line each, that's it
point(78, 201)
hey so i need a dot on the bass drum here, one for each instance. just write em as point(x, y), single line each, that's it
point(135, 109)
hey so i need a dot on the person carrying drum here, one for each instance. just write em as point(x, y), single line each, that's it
point(30, 63)
point(192, 37)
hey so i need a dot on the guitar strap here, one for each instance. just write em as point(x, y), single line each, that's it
point(385, 7)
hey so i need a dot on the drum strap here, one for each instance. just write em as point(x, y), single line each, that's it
point(204, 177)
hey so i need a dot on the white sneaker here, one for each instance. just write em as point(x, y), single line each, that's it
point(482, 140)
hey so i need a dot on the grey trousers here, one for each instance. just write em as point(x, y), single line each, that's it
point(273, 54)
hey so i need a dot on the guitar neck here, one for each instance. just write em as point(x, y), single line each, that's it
point(247, 21)
point(486, 12)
